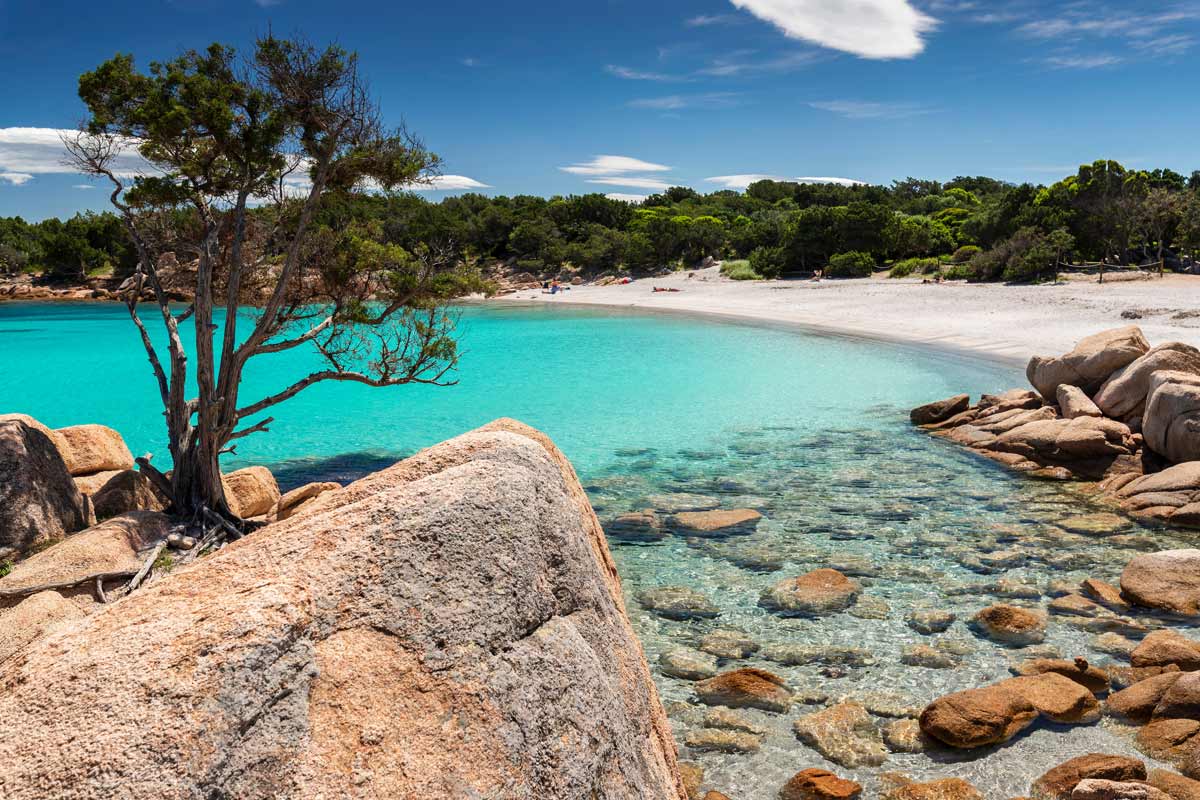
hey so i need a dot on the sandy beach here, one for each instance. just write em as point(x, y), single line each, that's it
point(1007, 323)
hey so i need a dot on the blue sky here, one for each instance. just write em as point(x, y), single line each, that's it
point(526, 97)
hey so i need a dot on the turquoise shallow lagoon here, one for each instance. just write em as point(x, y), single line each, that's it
point(810, 430)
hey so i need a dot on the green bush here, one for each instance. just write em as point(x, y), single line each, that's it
point(739, 270)
point(854, 264)
point(965, 253)
point(959, 272)
point(768, 262)
point(909, 266)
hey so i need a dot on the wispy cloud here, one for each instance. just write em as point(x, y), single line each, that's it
point(82, 186)
point(632, 181)
point(1087, 61)
point(876, 29)
point(708, 20)
point(741, 181)
point(857, 109)
point(838, 181)
point(631, 74)
point(448, 183)
point(610, 165)
point(469, 61)
point(16, 178)
point(735, 65)
point(678, 102)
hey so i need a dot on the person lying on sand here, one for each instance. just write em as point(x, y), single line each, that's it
point(664, 289)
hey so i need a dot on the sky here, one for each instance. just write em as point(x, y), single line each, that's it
point(628, 97)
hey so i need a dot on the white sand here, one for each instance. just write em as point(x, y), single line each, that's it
point(1008, 323)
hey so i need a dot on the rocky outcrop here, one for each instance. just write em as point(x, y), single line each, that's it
point(1124, 394)
point(452, 626)
point(38, 499)
point(88, 449)
point(251, 492)
point(1167, 581)
point(1172, 495)
point(1073, 402)
point(1090, 364)
point(940, 411)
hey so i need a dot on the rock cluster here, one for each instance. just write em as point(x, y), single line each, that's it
point(1113, 410)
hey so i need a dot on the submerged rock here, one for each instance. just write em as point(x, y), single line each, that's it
point(978, 717)
point(943, 789)
point(746, 688)
point(728, 643)
point(687, 664)
point(1093, 789)
point(678, 603)
point(716, 523)
point(1093, 679)
point(1011, 625)
point(820, 592)
point(715, 740)
point(819, 784)
point(1060, 782)
point(845, 734)
point(38, 500)
point(309, 674)
point(929, 621)
point(1166, 648)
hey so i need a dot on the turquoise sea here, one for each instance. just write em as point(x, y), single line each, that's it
point(811, 430)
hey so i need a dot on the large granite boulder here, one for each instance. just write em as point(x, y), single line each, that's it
point(291, 503)
point(1171, 422)
point(1124, 394)
point(1067, 440)
point(452, 626)
point(1072, 403)
point(93, 448)
point(940, 411)
point(251, 492)
point(1168, 581)
point(38, 499)
point(33, 618)
point(127, 490)
point(1090, 364)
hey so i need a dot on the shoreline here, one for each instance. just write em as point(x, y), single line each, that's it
point(1000, 323)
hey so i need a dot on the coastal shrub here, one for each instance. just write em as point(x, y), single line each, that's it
point(739, 270)
point(965, 253)
point(768, 262)
point(958, 272)
point(854, 264)
point(910, 266)
point(5, 567)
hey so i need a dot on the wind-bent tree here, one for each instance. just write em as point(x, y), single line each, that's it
point(255, 164)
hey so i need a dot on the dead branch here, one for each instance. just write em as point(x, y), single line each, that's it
point(12, 594)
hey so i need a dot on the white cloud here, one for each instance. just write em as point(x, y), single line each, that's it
point(82, 186)
point(707, 20)
point(26, 152)
point(877, 29)
point(838, 181)
point(856, 109)
point(608, 165)
point(741, 181)
point(469, 62)
point(1083, 61)
point(735, 64)
point(448, 183)
point(632, 181)
point(626, 198)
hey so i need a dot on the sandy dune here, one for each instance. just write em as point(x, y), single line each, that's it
point(1008, 323)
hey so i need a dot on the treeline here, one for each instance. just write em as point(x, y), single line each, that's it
point(984, 229)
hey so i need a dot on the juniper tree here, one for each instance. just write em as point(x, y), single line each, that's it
point(253, 163)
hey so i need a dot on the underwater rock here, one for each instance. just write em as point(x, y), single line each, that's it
point(677, 603)
point(1058, 783)
point(1094, 679)
point(929, 621)
point(746, 688)
point(687, 664)
point(1011, 625)
point(978, 717)
point(819, 784)
point(845, 734)
point(714, 740)
point(739, 521)
point(816, 593)
point(728, 643)
point(921, 655)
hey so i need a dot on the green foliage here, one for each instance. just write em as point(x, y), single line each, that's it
point(740, 270)
point(165, 562)
point(965, 253)
point(6, 567)
point(910, 266)
point(854, 264)
point(768, 262)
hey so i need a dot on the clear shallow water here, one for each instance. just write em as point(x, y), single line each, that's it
point(810, 430)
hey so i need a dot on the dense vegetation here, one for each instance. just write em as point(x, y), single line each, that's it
point(971, 227)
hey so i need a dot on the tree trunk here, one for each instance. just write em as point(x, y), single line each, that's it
point(196, 481)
